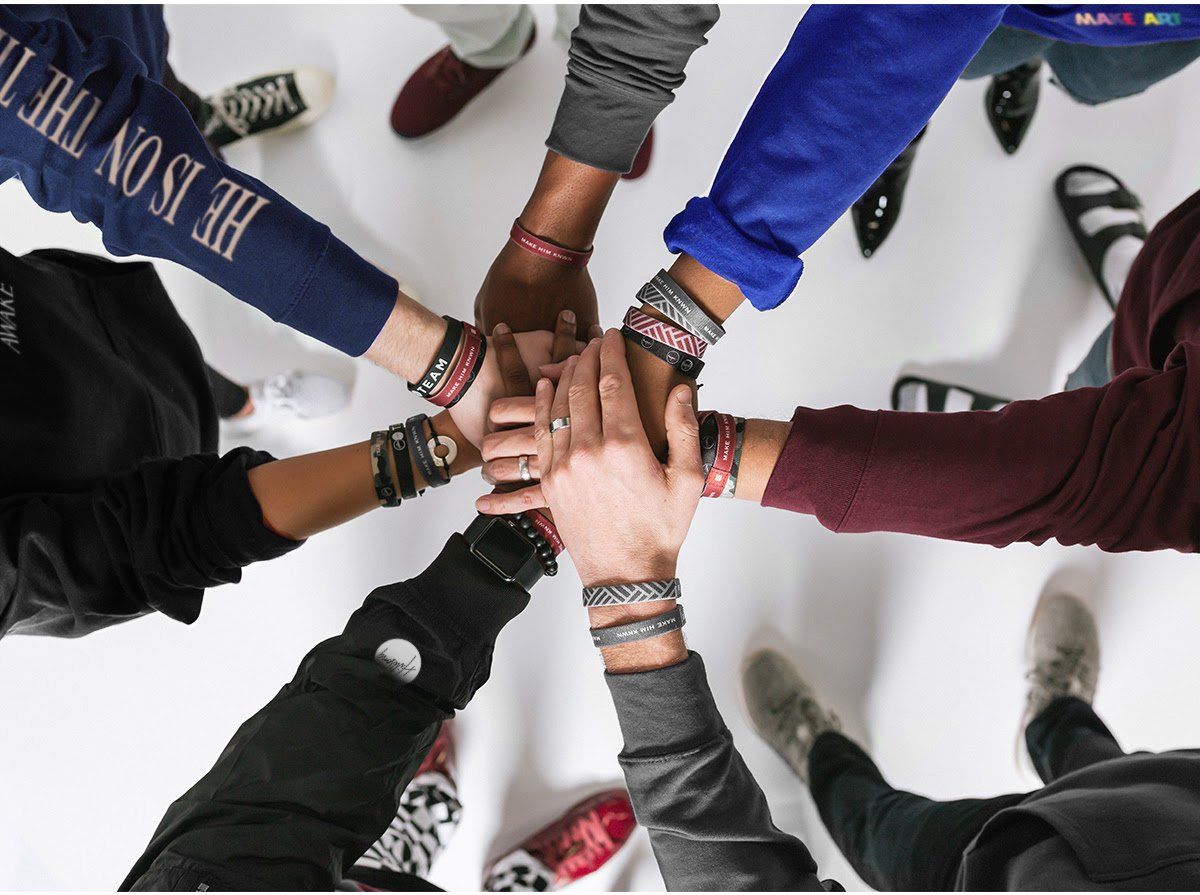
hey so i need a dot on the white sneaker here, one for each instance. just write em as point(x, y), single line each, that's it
point(1062, 655)
point(296, 394)
point(278, 102)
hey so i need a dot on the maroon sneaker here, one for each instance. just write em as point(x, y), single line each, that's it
point(577, 844)
point(439, 90)
point(641, 161)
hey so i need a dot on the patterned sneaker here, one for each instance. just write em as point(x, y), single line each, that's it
point(273, 103)
point(1062, 653)
point(294, 394)
point(577, 844)
point(427, 817)
point(783, 709)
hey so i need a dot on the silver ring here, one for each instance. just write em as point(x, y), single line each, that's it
point(563, 422)
point(523, 468)
point(451, 450)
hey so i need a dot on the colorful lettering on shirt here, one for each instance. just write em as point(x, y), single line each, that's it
point(1129, 19)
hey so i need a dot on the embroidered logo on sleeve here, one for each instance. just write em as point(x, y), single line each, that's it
point(8, 318)
point(400, 659)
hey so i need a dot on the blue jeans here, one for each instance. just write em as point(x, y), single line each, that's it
point(1096, 369)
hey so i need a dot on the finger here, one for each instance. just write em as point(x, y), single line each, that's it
point(507, 470)
point(511, 411)
point(564, 336)
point(595, 331)
point(508, 443)
point(561, 407)
point(543, 397)
point(584, 399)
point(683, 439)
point(553, 372)
point(513, 373)
point(500, 504)
point(618, 404)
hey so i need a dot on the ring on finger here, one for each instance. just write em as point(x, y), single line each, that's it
point(562, 422)
point(523, 468)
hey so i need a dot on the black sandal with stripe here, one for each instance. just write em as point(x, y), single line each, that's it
point(1094, 246)
point(939, 394)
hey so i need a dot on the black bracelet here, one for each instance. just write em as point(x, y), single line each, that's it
point(474, 372)
point(655, 626)
point(385, 486)
point(686, 364)
point(415, 428)
point(545, 552)
point(428, 383)
point(708, 439)
point(436, 441)
point(404, 473)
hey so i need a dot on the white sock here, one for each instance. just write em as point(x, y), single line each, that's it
point(1117, 262)
point(1118, 258)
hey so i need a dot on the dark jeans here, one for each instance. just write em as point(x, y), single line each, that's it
point(1090, 74)
point(899, 841)
point(229, 397)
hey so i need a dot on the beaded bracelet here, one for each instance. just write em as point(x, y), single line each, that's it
point(545, 552)
point(427, 385)
point(385, 486)
point(686, 364)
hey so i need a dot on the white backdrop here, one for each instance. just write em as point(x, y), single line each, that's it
point(917, 642)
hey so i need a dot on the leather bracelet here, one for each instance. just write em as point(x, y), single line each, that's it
point(547, 529)
point(545, 552)
point(717, 475)
point(667, 333)
point(436, 441)
point(641, 592)
point(685, 363)
point(405, 482)
point(546, 250)
point(428, 383)
point(667, 297)
point(655, 626)
point(385, 486)
point(470, 360)
point(414, 429)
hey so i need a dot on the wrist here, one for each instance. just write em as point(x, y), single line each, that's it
point(567, 202)
point(409, 340)
point(762, 445)
point(644, 655)
point(657, 567)
point(716, 296)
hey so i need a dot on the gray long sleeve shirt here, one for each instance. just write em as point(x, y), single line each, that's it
point(709, 823)
point(625, 64)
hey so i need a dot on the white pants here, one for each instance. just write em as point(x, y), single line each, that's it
point(490, 35)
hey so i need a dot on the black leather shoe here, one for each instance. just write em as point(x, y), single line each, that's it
point(1011, 101)
point(875, 213)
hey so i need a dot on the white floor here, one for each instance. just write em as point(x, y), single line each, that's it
point(917, 642)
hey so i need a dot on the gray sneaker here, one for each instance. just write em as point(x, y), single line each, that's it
point(1062, 654)
point(784, 709)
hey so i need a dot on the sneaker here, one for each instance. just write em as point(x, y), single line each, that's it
point(580, 842)
point(1062, 654)
point(641, 161)
point(428, 815)
point(439, 90)
point(295, 394)
point(273, 103)
point(783, 709)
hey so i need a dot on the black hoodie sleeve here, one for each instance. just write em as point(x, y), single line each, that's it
point(152, 538)
point(314, 778)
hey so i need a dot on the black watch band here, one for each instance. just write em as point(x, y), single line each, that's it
point(504, 550)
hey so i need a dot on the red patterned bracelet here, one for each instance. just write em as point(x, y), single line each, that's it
point(470, 359)
point(722, 468)
point(547, 251)
point(666, 333)
point(547, 530)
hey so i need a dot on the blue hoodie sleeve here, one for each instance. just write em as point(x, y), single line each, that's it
point(853, 87)
point(87, 131)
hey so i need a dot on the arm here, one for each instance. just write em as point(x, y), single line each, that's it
point(149, 539)
point(312, 780)
point(1112, 466)
point(818, 134)
point(625, 64)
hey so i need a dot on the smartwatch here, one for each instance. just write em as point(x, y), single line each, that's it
point(506, 552)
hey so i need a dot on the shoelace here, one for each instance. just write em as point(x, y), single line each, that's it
point(1058, 674)
point(242, 107)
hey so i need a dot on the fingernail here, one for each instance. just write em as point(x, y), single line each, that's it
point(568, 316)
point(483, 504)
point(543, 383)
point(683, 395)
point(500, 328)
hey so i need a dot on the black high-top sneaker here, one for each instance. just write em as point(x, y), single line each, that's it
point(278, 102)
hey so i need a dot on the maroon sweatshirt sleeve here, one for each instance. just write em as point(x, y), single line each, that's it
point(1117, 466)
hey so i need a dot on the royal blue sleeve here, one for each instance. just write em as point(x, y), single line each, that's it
point(87, 131)
point(853, 87)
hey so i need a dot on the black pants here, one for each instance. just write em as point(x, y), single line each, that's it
point(899, 841)
point(229, 397)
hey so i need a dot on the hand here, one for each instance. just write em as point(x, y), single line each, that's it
point(622, 514)
point(527, 293)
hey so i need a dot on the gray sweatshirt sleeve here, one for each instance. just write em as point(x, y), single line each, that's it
point(708, 819)
point(625, 65)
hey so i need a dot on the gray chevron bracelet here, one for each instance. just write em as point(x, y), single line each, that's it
point(642, 592)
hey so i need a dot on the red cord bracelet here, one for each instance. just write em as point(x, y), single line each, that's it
point(547, 251)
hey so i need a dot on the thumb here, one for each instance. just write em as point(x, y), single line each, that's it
point(683, 433)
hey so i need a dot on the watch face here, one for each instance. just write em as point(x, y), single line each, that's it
point(503, 549)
